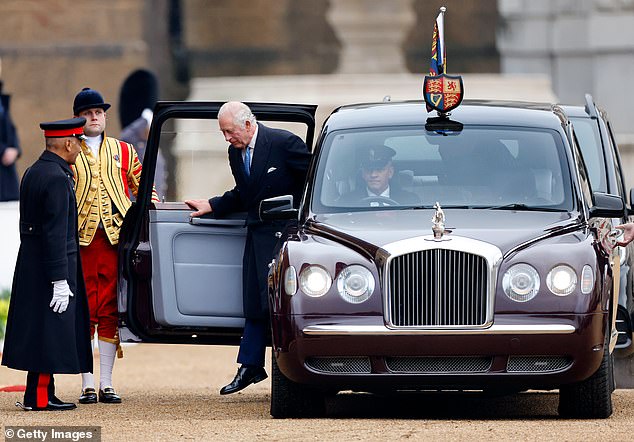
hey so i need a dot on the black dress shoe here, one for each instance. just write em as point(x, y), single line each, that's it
point(54, 404)
point(245, 377)
point(59, 406)
point(108, 396)
point(88, 396)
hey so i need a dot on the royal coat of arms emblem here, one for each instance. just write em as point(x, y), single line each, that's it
point(443, 92)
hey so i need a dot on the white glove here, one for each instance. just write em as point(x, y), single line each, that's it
point(61, 296)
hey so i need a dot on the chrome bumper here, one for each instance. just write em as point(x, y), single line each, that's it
point(366, 330)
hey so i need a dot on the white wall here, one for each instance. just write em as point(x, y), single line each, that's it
point(9, 242)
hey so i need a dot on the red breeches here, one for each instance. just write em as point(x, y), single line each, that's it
point(99, 262)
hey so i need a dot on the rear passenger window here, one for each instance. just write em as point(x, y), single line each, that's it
point(587, 133)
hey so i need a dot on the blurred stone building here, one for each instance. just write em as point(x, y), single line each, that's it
point(584, 46)
point(50, 50)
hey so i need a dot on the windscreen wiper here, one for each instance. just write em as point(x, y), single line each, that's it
point(444, 207)
point(522, 206)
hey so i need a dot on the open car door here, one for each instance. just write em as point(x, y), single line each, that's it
point(180, 278)
point(601, 156)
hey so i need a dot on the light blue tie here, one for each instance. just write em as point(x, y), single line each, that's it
point(247, 161)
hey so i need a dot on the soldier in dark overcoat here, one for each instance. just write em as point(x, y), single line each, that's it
point(9, 151)
point(265, 163)
point(48, 324)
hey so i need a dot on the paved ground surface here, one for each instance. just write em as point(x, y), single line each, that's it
point(171, 393)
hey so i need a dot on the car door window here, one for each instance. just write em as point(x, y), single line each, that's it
point(620, 188)
point(589, 141)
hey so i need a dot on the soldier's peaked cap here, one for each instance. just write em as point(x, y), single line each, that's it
point(73, 127)
point(88, 99)
point(377, 156)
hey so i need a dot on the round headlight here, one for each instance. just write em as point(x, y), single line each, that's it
point(561, 280)
point(521, 282)
point(314, 280)
point(290, 281)
point(355, 284)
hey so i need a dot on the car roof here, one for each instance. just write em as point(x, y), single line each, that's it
point(575, 110)
point(470, 112)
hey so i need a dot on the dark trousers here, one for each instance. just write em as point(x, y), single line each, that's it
point(40, 388)
point(253, 344)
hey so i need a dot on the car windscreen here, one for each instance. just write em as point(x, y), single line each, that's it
point(479, 167)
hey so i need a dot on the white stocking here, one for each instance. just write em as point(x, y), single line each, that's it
point(107, 353)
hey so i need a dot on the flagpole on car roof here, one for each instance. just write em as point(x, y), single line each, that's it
point(438, 53)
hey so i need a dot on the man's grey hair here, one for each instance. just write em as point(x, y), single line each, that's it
point(239, 111)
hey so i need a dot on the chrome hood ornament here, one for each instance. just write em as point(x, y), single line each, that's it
point(439, 221)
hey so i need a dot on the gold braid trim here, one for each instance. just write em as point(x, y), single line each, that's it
point(116, 342)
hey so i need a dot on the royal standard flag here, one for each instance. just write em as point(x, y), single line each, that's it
point(438, 55)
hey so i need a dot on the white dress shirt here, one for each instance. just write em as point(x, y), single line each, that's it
point(385, 194)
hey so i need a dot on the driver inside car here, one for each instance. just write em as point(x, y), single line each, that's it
point(378, 189)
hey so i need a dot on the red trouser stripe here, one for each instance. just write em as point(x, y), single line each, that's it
point(41, 393)
point(125, 160)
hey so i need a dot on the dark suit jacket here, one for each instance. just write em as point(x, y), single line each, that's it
point(278, 167)
point(38, 339)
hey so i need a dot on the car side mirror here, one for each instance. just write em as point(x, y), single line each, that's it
point(630, 209)
point(607, 206)
point(279, 207)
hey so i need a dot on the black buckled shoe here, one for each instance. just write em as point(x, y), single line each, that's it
point(88, 396)
point(108, 396)
point(245, 377)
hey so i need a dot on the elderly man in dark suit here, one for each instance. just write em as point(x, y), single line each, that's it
point(48, 323)
point(265, 163)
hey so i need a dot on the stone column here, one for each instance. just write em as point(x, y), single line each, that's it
point(371, 33)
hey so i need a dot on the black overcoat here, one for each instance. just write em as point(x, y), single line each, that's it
point(38, 339)
point(8, 138)
point(279, 165)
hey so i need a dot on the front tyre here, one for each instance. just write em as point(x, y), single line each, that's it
point(591, 398)
point(289, 399)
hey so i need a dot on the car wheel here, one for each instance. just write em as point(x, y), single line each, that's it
point(591, 398)
point(290, 399)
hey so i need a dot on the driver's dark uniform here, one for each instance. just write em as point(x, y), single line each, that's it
point(361, 197)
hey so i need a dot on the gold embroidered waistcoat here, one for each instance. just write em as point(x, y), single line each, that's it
point(103, 185)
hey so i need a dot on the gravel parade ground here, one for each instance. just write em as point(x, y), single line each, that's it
point(170, 392)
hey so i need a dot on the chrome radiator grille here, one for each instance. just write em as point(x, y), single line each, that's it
point(437, 287)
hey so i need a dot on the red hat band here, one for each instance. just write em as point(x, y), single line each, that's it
point(64, 132)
